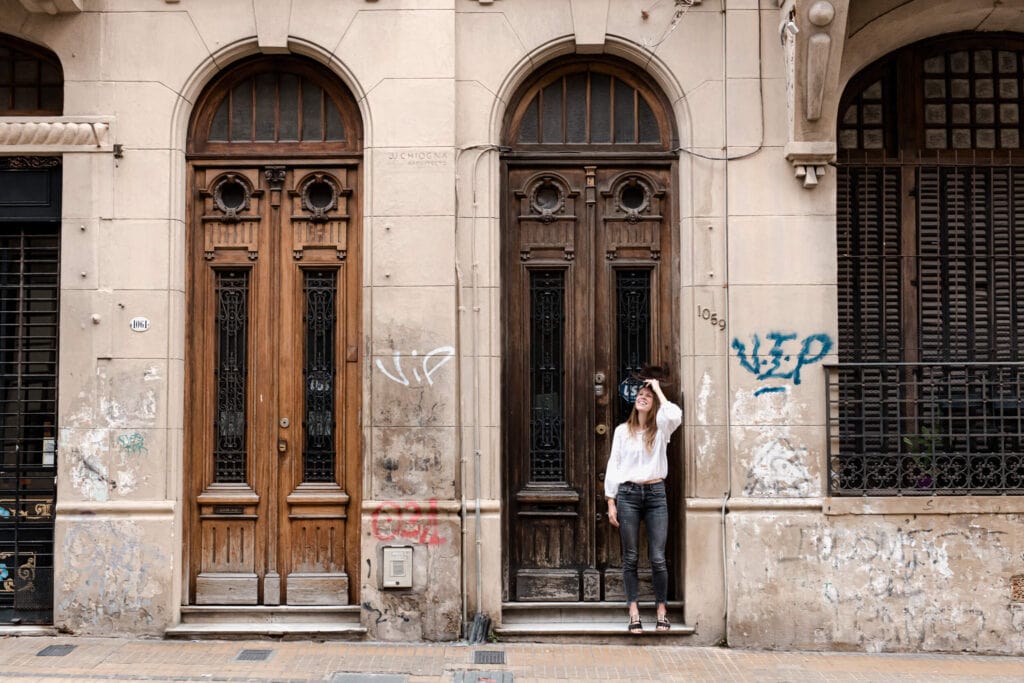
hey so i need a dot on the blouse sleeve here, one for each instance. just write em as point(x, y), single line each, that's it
point(612, 475)
point(669, 417)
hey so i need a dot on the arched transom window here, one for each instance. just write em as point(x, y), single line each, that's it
point(31, 80)
point(283, 103)
point(591, 104)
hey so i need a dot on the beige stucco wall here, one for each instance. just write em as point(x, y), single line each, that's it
point(433, 79)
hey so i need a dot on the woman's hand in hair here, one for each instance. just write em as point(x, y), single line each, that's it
point(655, 386)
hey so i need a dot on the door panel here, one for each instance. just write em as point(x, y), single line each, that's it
point(273, 372)
point(584, 261)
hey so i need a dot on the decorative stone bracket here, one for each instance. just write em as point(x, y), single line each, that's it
point(812, 33)
point(52, 6)
point(48, 134)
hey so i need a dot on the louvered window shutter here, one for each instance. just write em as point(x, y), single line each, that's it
point(868, 223)
point(970, 233)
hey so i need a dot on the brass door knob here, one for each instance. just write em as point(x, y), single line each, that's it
point(601, 429)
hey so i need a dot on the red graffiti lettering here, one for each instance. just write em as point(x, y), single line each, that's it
point(393, 520)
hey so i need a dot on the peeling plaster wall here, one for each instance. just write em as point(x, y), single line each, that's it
point(876, 583)
point(114, 576)
point(432, 608)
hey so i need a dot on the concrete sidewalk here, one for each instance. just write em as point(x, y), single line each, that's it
point(111, 659)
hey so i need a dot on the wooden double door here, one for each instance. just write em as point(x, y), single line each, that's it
point(273, 385)
point(588, 256)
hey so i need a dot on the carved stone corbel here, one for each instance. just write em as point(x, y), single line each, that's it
point(813, 33)
point(52, 7)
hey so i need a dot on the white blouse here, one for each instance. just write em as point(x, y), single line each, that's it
point(630, 461)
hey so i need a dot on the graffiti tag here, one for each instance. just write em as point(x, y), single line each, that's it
point(431, 363)
point(132, 444)
point(408, 521)
point(777, 362)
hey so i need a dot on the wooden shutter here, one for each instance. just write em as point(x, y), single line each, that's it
point(970, 230)
point(868, 223)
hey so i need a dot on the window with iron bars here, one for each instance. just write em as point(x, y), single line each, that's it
point(927, 396)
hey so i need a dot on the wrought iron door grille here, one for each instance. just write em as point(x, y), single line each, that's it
point(229, 424)
point(320, 290)
point(633, 328)
point(925, 428)
point(29, 301)
point(547, 370)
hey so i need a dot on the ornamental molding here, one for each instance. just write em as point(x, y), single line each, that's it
point(55, 134)
point(813, 33)
point(52, 7)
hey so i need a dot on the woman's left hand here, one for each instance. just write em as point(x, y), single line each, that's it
point(655, 386)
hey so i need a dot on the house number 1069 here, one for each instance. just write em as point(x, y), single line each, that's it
point(711, 317)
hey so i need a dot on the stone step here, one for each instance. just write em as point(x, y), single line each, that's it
point(587, 622)
point(290, 622)
point(580, 612)
point(283, 614)
point(590, 632)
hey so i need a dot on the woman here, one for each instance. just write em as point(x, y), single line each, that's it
point(634, 485)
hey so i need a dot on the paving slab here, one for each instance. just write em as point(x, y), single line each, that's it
point(35, 658)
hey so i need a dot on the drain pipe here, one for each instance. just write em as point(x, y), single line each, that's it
point(460, 310)
point(481, 623)
point(478, 631)
point(728, 365)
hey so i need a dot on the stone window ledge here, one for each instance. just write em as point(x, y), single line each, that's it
point(906, 505)
point(925, 505)
point(52, 134)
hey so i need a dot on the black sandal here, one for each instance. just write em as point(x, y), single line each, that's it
point(636, 627)
point(663, 624)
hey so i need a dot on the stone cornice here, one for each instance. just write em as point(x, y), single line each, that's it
point(24, 134)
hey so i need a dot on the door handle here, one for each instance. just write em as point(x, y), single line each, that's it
point(282, 446)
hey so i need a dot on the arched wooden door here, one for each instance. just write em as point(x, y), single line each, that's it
point(272, 352)
point(589, 263)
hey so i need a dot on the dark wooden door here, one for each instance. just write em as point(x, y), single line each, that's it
point(589, 297)
point(273, 384)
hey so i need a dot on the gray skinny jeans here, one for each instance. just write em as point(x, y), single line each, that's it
point(647, 502)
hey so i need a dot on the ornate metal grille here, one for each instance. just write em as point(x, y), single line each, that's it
point(633, 327)
point(321, 292)
point(972, 99)
point(547, 372)
point(231, 367)
point(29, 302)
point(926, 428)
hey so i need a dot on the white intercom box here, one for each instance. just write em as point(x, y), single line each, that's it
point(396, 564)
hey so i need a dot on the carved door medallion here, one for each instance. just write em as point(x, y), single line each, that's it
point(272, 353)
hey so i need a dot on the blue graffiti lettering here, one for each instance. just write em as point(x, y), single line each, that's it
point(769, 366)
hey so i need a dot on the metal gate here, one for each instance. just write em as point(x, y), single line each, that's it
point(29, 321)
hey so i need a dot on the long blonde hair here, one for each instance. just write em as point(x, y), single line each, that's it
point(651, 428)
